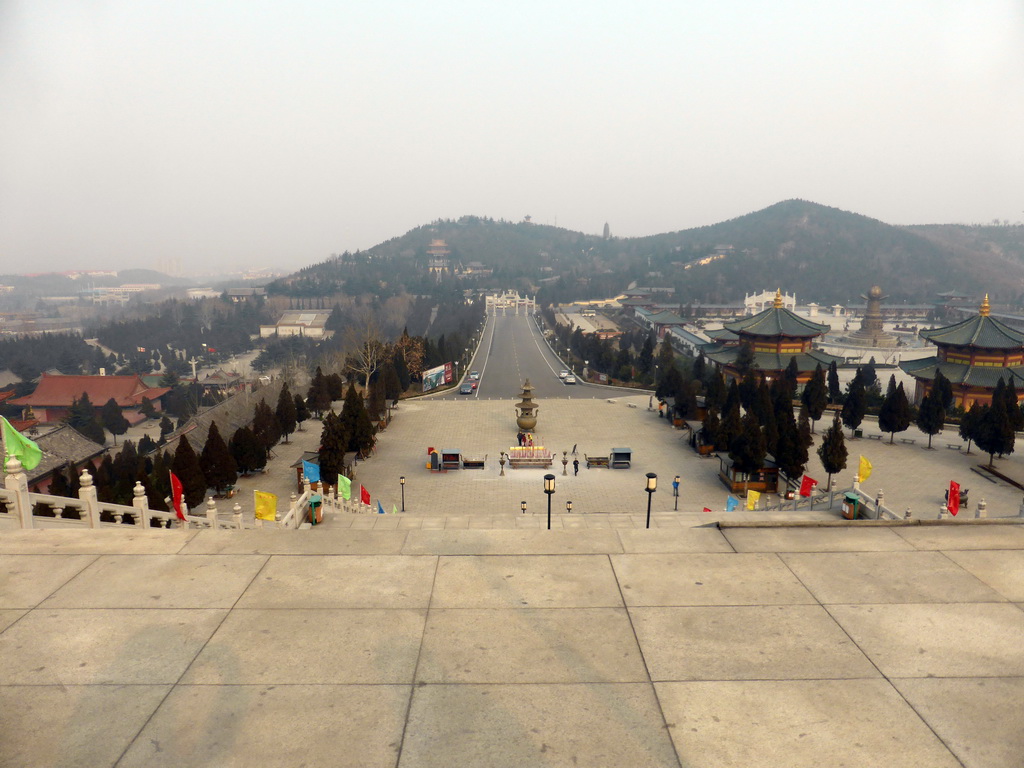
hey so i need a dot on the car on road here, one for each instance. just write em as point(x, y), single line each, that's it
point(466, 389)
point(563, 373)
point(570, 379)
point(474, 383)
point(474, 376)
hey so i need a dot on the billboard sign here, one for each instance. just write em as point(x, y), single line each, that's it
point(435, 377)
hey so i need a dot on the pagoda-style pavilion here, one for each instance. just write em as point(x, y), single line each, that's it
point(776, 335)
point(973, 354)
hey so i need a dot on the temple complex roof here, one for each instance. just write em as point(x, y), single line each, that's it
point(982, 376)
point(777, 321)
point(982, 330)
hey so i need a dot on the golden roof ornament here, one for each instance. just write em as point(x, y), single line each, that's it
point(778, 298)
point(985, 309)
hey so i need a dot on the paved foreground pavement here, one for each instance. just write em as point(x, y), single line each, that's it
point(855, 644)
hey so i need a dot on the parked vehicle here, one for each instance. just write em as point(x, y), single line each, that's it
point(570, 379)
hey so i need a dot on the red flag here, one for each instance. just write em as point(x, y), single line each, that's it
point(706, 509)
point(364, 495)
point(807, 485)
point(176, 494)
point(953, 504)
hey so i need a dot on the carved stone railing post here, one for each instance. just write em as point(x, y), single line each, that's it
point(982, 510)
point(211, 513)
point(141, 504)
point(87, 493)
point(17, 481)
point(237, 511)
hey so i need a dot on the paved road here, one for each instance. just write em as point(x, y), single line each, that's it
point(513, 350)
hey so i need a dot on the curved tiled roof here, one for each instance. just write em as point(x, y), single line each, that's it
point(776, 321)
point(978, 331)
point(55, 391)
point(964, 375)
point(771, 361)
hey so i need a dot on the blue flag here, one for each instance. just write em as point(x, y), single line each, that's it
point(380, 508)
point(311, 471)
point(731, 502)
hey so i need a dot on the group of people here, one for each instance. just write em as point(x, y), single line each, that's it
point(525, 439)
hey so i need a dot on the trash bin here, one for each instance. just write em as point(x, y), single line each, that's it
point(851, 505)
point(858, 433)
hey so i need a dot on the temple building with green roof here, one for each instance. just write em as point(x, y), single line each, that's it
point(973, 354)
point(776, 335)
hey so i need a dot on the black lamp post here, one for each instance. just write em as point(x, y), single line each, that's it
point(401, 480)
point(652, 486)
point(568, 507)
point(549, 489)
point(675, 492)
point(522, 506)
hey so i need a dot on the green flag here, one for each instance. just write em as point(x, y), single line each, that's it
point(20, 447)
point(344, 487)
point(394, 509)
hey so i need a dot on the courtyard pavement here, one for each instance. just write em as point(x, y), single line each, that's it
point(860, 645)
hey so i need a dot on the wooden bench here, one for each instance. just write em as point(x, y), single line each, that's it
point(596, 461)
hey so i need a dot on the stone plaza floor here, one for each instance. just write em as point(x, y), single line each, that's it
point(749, 645)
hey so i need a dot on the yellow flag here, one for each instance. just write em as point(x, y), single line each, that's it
point(752, 497)
point(865, 469)
point(266, 505)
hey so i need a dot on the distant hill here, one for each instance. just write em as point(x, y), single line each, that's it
point(822, 254)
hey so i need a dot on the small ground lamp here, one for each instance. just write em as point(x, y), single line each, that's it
point(549, 489)
point(401, 480)
point(568, 507)
point(522, 506)
point(652, 486)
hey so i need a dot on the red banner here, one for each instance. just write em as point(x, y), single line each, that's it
point(364, 495)
point(807, 485)
point(176, 495)
point(953, 503)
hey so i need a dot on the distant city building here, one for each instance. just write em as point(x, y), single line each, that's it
point(438, 256)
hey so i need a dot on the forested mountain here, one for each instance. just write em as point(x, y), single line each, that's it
point(822, 254)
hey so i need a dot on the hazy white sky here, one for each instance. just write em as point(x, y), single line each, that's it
point(251, 133)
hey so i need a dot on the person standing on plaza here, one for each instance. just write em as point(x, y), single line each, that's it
point(575, 467)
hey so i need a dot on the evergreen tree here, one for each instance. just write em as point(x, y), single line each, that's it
point(318, 398)
point(285, 412)
point(82, 417)
point(377, 404)
point(186, 468)
point(113, 419)
point(803, 426)
point(729, 427)
point(59, 484)
point(125, 468)
point(669, 383)
point(995, 433)
point(931, 416)
point(265, 426)
point(855, 405)
point(747, 449)
point(1013, 411)
point(787, 451)
point(301, 412)
point(248, 453)
point(832, 450)
point(218, 464)
point(159, 486)
point(764, 412)
point(715, 391)
point(834, 391)
point(147, 409)
point(146, 445)
point(748, 390)
point(645, 360)
point(710, 427)
point(103, 480)
point(890, 390)
point(894, 415)
point(392, 386)
point(333, 444)
point(945, 389)
point(744, 358)
point(815, 395)
point(402, 369)
point(969, 424)
point(700, 367)
point(166, 427)
point(335, 387)
point(792, 375)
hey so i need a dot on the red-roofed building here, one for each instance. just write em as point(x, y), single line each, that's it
point(54, 395)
